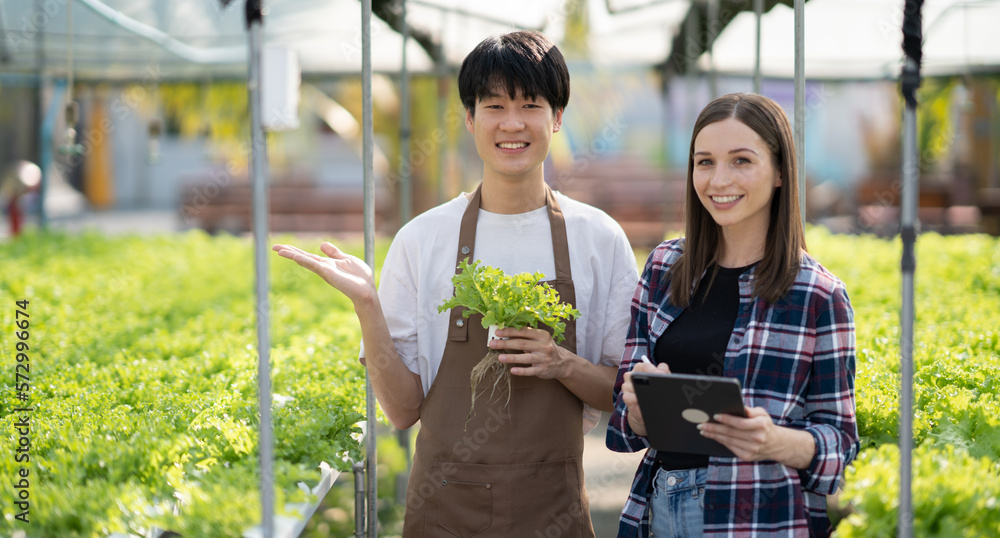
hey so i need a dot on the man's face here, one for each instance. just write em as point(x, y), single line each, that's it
point(513, 135)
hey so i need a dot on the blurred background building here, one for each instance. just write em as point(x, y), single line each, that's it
point(160, 127)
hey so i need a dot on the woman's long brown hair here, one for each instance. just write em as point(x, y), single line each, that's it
point(785, 240)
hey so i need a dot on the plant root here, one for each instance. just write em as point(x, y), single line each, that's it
point(489, 368)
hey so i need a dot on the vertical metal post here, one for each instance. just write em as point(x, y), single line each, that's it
point(43, 121)
point(405, 191)
point(444, 82)
point(800, 109)
point(691, 26)
point(369, 217)
point(758, 11)
point(359, 500)
point(908, 232)
point(405, 201)
point(908, 210)
point(69, 51)
point(909, 83)
point(258, 168)
point(710, 35)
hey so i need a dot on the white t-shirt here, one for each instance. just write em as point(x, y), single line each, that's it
point(416, 278)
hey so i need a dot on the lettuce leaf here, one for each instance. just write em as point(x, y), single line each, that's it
point(517, 301)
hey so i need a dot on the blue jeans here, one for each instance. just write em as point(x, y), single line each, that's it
point(678, 506)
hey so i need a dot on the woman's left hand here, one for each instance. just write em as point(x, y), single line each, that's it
point(749, 438)
point(757, 438)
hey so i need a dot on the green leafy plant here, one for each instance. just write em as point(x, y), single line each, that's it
point(143, 384)
point(515, 301)
point(956, 411)
point(954, 493)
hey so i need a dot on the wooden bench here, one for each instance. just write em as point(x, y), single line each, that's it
point(295, 206)
point(877, 198)
point(647, 202)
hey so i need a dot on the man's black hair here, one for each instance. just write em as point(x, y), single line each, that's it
point(526, 61)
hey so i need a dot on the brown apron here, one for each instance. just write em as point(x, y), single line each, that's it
point(514, 472)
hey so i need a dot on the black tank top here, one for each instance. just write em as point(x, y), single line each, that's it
point(696, 342)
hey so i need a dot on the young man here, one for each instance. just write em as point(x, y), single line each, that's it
point(515, 468)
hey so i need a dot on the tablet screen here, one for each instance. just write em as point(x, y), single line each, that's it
point(673, 405)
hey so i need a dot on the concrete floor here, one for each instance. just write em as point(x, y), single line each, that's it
point(608, 476)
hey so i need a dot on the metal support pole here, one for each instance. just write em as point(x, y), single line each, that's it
point(691, 26)
point(800, 109)
point(908, 229)
point(443, 85)
point(258, 167)
point(359, 500)
point(909, 236)
point(371, 436)
point(909, 82)
point(405, 204)
point(405, 191)
point(45, 128)
point(710, 35)
point(758, 11)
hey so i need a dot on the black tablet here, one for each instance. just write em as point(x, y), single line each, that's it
point(673, 405)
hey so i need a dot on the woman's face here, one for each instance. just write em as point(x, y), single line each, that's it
point(734, 176)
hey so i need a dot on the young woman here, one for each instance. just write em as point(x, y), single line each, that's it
point(738, 296)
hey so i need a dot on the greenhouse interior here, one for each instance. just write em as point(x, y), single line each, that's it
point(166, 374)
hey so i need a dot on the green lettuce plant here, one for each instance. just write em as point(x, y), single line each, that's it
point(514, 301)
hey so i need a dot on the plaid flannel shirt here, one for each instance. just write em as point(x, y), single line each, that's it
point(794, 358)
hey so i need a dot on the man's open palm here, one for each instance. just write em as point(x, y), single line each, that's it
point(347, 273)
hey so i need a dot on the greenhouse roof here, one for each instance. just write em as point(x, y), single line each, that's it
point(134, 39)
point(861, 39)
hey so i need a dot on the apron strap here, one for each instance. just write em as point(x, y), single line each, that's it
point(467, 233)
point(560, 244)
point(458, 326)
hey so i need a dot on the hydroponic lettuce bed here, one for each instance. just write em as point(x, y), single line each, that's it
point(143, 389)
point(143, 384)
